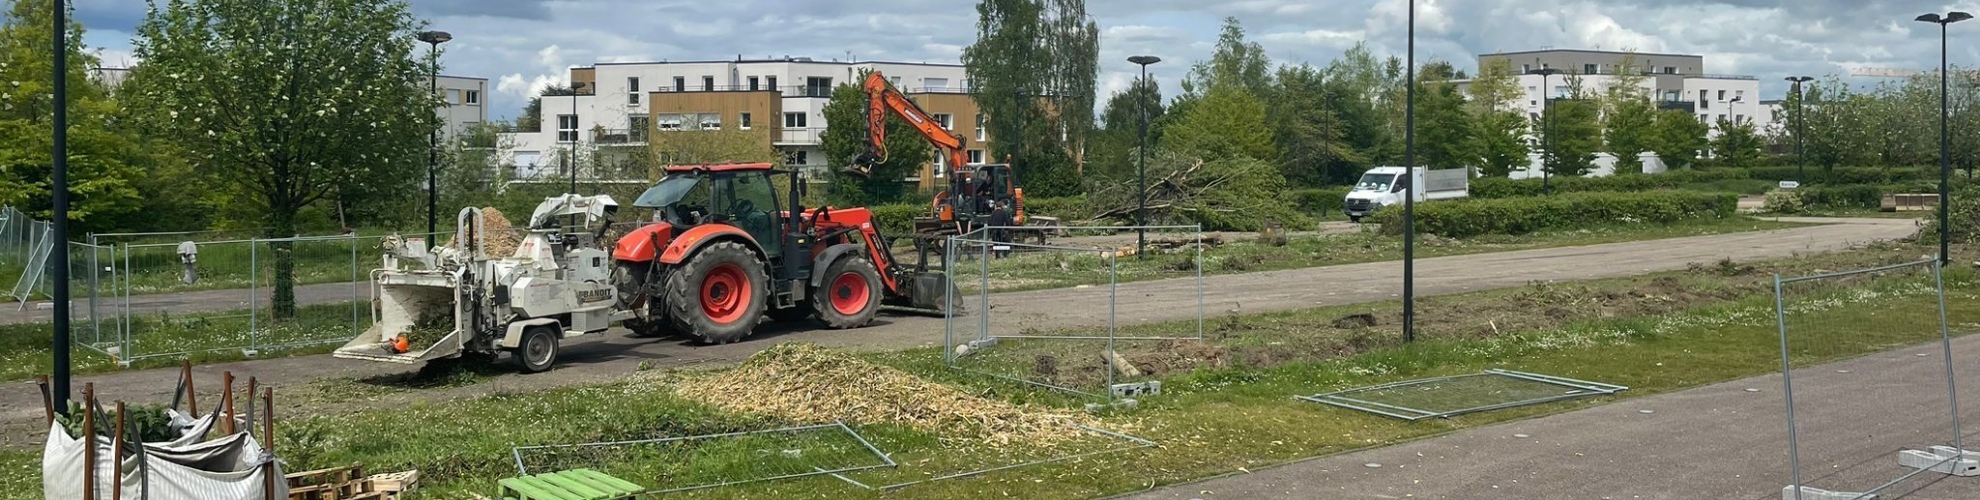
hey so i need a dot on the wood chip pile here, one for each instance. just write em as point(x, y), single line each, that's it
point(808, 383)
point(503, 237)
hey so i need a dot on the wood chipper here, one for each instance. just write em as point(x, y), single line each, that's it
point(459, 299)
point(720, 256)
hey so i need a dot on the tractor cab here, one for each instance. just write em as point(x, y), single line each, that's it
point(741, 195)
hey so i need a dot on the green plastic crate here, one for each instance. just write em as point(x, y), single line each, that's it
point(575, 484)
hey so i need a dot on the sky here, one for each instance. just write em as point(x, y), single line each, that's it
point(523, 45)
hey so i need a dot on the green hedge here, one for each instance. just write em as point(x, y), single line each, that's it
point(897, 220)
point(1859, 196)
point(1846, 175)
point(1472, 217)
point(1499, 187)
point(1321, 203)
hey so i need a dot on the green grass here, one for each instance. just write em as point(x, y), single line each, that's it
point(203, 337)
point(1066, 268)
point(1229, 413)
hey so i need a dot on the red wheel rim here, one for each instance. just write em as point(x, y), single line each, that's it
point(850, 293)
point(725, 294)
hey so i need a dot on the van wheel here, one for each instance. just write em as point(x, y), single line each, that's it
point(1354, 218)
point(538, 350)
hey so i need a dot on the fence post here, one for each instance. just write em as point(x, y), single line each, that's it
point(254, 293)
point(356, 295)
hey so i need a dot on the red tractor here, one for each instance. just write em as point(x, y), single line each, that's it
point(720, 256)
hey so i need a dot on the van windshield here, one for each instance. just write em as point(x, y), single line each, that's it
point(1375, 182)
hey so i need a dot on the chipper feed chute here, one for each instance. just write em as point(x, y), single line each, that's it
point(421, 308)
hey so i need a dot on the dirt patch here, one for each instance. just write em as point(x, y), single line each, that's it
point(808, 383)
point(1172, 356)
point(1352, 321)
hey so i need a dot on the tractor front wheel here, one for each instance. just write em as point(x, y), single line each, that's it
point(850, 295)
point(718, 296)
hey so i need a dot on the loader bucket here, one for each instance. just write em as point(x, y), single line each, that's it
point(407, 302)
point(930, 293)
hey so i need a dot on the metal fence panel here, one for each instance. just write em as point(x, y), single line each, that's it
point(1840, 436)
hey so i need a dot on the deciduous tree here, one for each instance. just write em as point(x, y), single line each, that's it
point(845, 138)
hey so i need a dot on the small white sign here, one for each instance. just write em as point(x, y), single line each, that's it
point(1790, 184)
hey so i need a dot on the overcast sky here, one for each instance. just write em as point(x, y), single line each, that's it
point(521, 45)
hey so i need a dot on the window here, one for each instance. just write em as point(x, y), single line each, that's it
point(710, 121)
point(1739, 94)
point(638, 124)
point(976, 157)
point(632, 84)
point(1525, 68)
point(707, 84)
point(1559, 90)
point(668, 122)
point(947, 121)
point(567, 128)
point(474, 97)
point(1591, 69)
point(753, 85)
point(772, 83)
point(1670, 70)
point(794, 120)
point(453, 96)
point(1738, 119)
point(1672, 96)
point(1722, 95)
point(795, 157)
point(894, 80)
point(936, 83)
point(632, 98)
point(818, 87)
point(680, 84)
point(979, 128)
point(1704, 118)
point(744, 119)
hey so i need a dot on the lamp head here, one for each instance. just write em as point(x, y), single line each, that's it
point(1144, 60)
point(435, 37)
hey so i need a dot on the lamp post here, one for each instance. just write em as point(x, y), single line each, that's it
point(1945, 137)
point(1409, 194)
point(1141, 171)
point(571, 159)
point(1547, 130)
point(433, 40)
point(1800, 108)
point(59, 186)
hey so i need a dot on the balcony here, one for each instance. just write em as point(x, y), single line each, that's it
point(800, 136)
point(618, 137)
point(938, 90)
point(806, 91)
point(1724, 77)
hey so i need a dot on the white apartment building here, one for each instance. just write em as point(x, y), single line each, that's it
point(1673, 81)
point(625, 100)
point(466, 98)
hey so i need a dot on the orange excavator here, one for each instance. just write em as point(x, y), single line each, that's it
point(973, 191)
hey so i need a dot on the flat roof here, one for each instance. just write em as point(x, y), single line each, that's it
point(768, 61)
point(1590, 51)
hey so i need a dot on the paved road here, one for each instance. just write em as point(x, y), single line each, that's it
point(603, 357)
point(1719, 441)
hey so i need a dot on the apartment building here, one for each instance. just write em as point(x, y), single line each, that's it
point(466, 103)
point(1674, 81)
point(619, 105)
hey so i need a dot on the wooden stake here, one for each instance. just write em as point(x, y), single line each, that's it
point(47, 398)
point(89, 440)
point(253, 387)
point(227, 398)
point(117, 457)
point(268, 442)
point(192, 396)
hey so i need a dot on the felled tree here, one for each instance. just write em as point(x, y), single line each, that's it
point(1222, 194)
point(284, 100)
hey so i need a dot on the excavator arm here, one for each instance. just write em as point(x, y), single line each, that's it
point(882, 101)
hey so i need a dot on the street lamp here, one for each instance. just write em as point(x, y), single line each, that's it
point(1141, 196)
point(1945, 137)
point(1800, 107)
point(1409, 193)
point(571, 159)
point(59, 186)
point(1547, 130)
point(433, 40)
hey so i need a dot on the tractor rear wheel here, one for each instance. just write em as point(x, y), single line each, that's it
point(850, 295)
point(718, 296)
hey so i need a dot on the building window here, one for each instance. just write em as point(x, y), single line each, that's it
point(710, 121)
point(1738, 119)
point(941, 163)
point(753, 82)
point(818, 87)
point(936, 84)
point(632, 98)
point(632, 84)
point(744, 119)
point(707, 84)
point(979, 128)
point(771, 83)
point(474, 97)
point(567, 128)
point(1704, 118)
point(796, 157)
point(947, 121)
point(1525, 68)
point(1671, 96)
point(453, 97)
point(1722, 95)
point(794, 120)
point(976, 157)
point(1739, 94)
point(668, 122)
point(895, 80)
point(1591, 69)
point(1670, 70)
point(680, 84)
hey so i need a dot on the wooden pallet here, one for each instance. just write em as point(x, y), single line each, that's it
point(349, 483)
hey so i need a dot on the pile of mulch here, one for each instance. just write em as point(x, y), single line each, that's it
point(502, 238)
point(808, 383)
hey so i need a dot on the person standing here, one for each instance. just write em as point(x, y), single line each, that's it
point(1000, 220)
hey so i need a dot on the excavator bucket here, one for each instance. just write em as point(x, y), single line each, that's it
point(862, 165)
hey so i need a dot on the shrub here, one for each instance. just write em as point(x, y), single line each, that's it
point(897, 220)
point(1782, 201)
point(1846, 175)
point(1066, 208)
point(1495, 187)
point(1472, 217)
point(1319, 203)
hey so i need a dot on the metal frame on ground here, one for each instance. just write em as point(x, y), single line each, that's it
point(980, 238)
point(886, 461)
point(1342, 399)
point(1135, 444)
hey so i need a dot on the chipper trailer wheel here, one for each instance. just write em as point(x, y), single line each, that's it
point(850, 295)
point(538, 350)
point(718, 296)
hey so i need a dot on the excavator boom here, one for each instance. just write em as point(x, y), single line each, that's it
point(883, 101)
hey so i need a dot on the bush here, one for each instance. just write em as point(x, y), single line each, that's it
point(1066, 208)
point(1784, 201)
point(1498, 187)
point(1846, 175)
point(1319, 203)
point(897, 220)
point(1472, 217)
point(1846, 196)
